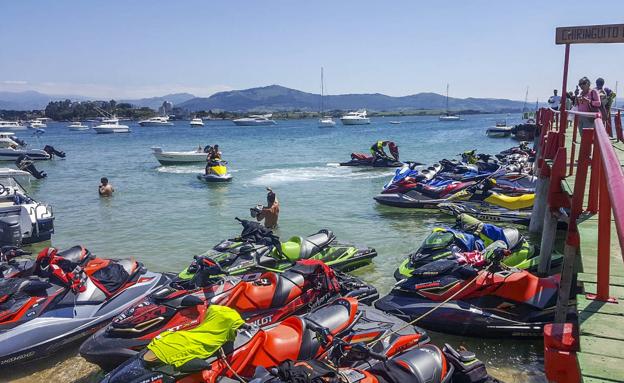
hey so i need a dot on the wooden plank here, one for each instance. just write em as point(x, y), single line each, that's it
point(603, 346)
point(614, 280)
point(601, 367)
point(593, 306)
point(601, 325)
point(614, 291)
point(596, 380)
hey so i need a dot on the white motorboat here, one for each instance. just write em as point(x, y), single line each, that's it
point(325, 121)
point(77, 126)
point(448, 116)
point(179, 158)
point(38, 123)
point(355, 118)
point(197, 122)
point(21, 176)
point(255, 120)
point(12, 148)
point(499, 131)
point(22, 219)
point(395, 122)
point(11, 125)
point(156, 121)
point(111, 125)
point(7, 140)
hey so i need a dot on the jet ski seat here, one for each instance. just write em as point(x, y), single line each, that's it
point(511, 202)
point(77, 255)
point(419, 365)
point(286, 284)
point(314, 243)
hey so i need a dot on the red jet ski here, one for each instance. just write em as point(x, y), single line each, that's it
point(296, 338)
point(497, 301)
point(261, 299)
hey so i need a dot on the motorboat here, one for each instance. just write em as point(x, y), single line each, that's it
point(197, 122)
point(448, 116)
point(7, 140)
point(327, 122)
point(111, 125)
point(179, 158)
point(395, 122)
point(11, 125)
point(38, 123)
point(156, 121)
point(21, 176)
point(255, 120)
point(77, 126)
point(355, 118)
point(499, 131)
point(22, 219)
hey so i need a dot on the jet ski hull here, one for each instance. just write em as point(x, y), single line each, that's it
point(42, 336)
point(467, 317)
point(214, 178)
point(375, 164)
point(405, 201)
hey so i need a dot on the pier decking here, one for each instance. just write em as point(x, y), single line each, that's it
point(601, 324)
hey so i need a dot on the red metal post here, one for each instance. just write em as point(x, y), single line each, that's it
point(594, 181)
point(618, 126)
point(604, 238)
point(573, 148)
point(564, 90)
point(581, 177)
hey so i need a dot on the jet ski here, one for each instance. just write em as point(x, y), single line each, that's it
point(217, 172)
point(487, 212)
point(496, 301)
point(426, 363)
point(244, 348)
point(471, 235)
point(64, 297)
point(258, 249)
point(261, 299)
point(361, 159)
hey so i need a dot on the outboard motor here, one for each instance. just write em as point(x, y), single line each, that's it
point(52, 152)
point(10, 229)
point(24, 163)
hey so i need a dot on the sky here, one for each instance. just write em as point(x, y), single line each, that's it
point(142, 48)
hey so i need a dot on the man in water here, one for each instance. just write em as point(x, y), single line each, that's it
point(105, 189)
point(554, 101)
point(270, 212)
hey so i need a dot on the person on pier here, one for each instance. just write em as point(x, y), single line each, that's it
point(587, 101)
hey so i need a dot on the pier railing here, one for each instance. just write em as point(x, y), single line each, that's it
point(595, 158)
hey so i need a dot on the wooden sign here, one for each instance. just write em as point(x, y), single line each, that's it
point(590, 34)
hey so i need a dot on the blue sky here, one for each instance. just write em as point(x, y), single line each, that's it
point(137, 48)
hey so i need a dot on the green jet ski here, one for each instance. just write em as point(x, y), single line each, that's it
point(470, 234)
point(258, 249)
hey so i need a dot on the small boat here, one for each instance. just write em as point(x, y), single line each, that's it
point(38, 123)
point(11, 149)
point(499, 131)
point(395, 122)
point(178, 158)
point(11, 125)
point(255, 120)
point(21, 176)
point(197, 122)
point(448, 116)
point(111, 125)
point(77, 126)
point(355, 118)
point(325, 121)
point(156, 121)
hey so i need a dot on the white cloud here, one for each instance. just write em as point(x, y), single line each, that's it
point(14, 82)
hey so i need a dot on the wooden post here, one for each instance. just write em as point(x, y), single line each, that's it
point(565, 285)
point(548, 241)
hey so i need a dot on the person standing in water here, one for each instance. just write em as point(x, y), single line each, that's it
point(270, 212)
point(105, 189)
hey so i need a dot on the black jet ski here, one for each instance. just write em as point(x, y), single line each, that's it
point(361, 159)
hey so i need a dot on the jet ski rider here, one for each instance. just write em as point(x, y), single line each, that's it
point(213, 157)
point(377, 150)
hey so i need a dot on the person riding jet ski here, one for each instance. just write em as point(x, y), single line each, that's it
point(377, 150)
point(378, 157)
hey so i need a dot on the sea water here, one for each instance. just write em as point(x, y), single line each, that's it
point(163, 215)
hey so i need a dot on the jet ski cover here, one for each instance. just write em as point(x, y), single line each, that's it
point(177, 348)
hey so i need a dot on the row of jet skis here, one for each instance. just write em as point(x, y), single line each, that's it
point(257, 307)
point(498, 188)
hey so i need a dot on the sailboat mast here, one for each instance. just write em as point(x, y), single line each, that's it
point(526, 98)
point(447, 108)
point(322, 91)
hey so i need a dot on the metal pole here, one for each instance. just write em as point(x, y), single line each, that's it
point(563, 120)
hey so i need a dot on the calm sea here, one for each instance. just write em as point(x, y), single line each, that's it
point(162, 216)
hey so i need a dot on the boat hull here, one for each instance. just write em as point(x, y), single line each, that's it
point(214, 178)
point(498, 132)
point(179, 158)
point(355, 121)
point(104, 130)
point(253, 123)
point(143, 123)
point(8, 154)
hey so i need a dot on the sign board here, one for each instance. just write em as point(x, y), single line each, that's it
point(590, 34)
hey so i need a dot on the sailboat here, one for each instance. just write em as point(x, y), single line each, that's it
point(448, 116)
point(325, 121)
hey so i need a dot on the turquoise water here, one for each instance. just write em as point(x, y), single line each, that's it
point(164, 215)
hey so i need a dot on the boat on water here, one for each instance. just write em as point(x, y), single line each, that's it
point(156, 121)
point(196, 122)
point(178, 158)
point(355, 118)
point(395, 122)
point(22, 219)
point(38, 123)
point(501, 130)
point(11, 125)
point(448, 116)
point(21, 176)
point(77, 126)
point(111, 125)
point(325, 121)
point(12, 148)
point(255, 120)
